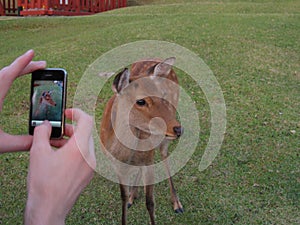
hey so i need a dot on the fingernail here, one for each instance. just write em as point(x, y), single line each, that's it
point(42, 64)
point(29, 52)
point(46, 122)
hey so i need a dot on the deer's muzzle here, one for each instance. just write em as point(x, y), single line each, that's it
point(178, 131)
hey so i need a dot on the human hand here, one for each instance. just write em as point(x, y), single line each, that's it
point(22, 65)
point(57, 177)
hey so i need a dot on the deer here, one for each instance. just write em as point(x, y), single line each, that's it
point(138, 119)
point(45, 100)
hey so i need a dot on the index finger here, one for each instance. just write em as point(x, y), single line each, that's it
point(20, 66)
point(41, 136)
point(14, 69)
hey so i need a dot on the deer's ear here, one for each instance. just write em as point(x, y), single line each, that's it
point(164, 68)
point(121, 81)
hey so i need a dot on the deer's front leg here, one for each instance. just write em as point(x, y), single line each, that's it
point(124, 197)
point(150, 202)
point(134, 189)
point(149, 189)
point(177, 206)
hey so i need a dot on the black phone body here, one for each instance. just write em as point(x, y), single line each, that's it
point(48, 100)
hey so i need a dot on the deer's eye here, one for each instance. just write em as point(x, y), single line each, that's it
point(141, 102)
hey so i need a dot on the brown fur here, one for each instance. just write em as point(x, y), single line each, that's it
point(139, 120)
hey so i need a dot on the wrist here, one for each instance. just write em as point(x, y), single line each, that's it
point(42, 212)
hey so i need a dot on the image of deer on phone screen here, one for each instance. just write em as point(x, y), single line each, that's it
point(46, 100)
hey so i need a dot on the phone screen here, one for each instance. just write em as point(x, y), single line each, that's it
point(48, 91)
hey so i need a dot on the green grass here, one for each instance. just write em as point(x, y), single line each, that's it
point(253, 49)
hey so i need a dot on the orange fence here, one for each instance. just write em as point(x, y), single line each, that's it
point(58, 7)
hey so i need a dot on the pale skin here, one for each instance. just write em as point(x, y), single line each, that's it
point(22, 65)
point(56, 176)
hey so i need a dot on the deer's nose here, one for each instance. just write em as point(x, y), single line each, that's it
point(178, 130)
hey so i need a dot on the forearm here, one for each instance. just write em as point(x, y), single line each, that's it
point(14, 143)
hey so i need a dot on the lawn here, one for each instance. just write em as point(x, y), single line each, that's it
point(252, 48)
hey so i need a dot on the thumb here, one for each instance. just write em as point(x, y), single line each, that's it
point(42, 133)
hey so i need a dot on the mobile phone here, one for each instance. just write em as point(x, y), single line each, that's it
point(48, 100)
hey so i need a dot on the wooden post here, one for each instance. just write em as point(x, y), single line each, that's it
point(113, 4)
point(78, 6)
point(102, 5)
point(14, 7)
point(39, 4)
point(2, 8)
point(46, 4)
